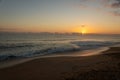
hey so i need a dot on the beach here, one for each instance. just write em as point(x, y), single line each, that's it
point(105, 66)
point(59, 40)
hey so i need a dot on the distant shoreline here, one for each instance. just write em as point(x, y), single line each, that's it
point(59, 33)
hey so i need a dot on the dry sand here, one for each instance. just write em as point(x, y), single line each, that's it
point(100, 67)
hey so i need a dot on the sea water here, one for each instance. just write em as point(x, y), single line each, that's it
point(25, 45)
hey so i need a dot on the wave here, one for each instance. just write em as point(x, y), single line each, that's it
point(15, 45)
point(32, 50)
point(93, 44)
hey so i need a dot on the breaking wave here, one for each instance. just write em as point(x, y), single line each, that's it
point(22, 50)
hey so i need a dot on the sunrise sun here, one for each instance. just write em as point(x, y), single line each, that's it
point(83, 31)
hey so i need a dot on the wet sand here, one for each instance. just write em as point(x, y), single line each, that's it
point(98, 67)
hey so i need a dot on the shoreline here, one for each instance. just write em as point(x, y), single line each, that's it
point(67, 68)
point(98, 67)
point(91, 52)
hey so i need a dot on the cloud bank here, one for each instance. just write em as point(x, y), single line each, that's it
point(116, 4)
point(112, 5)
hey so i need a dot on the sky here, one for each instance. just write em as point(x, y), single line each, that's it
point(97, 16)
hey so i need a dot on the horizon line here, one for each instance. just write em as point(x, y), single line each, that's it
point(77, 33)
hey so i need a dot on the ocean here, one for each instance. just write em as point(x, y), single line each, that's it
point(25, 45)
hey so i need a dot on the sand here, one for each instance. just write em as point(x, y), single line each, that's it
point(97, 67)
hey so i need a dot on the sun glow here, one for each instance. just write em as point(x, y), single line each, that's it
point(83, 31)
